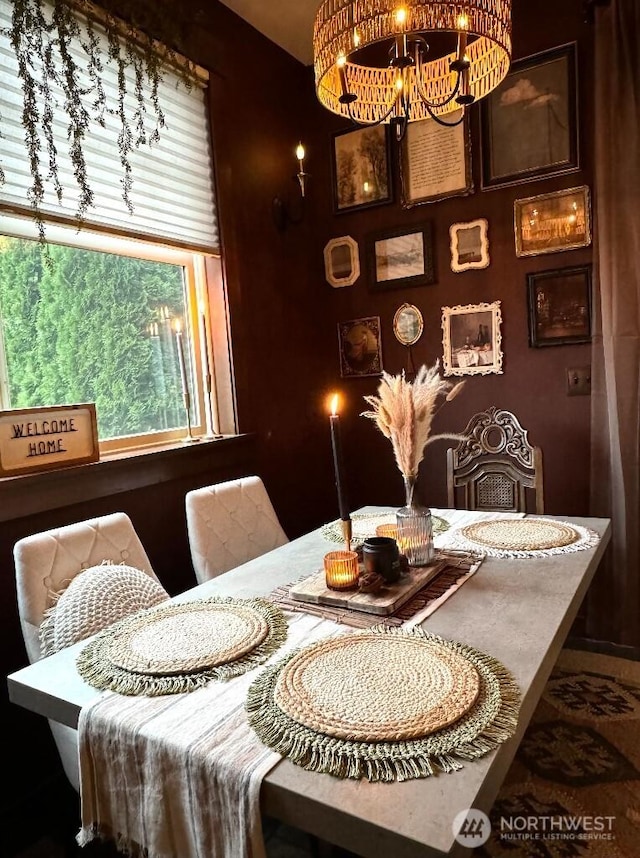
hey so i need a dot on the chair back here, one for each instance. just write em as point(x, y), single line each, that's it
point(45, 563)
point(494, 465)
point(229, 524)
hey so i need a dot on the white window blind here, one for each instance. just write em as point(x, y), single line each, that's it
point(173, 190)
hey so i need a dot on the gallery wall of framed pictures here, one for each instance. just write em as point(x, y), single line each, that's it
point(528, 134)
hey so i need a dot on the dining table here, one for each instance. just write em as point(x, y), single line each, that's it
point(517, 609)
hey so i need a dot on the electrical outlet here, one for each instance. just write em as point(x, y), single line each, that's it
point(579, 381)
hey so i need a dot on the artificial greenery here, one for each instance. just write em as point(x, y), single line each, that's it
point(42, 32)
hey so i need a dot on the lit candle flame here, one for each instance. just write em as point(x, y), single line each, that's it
point(400, 15)
point(334, 405)
point(341, 61)
point(177, 326)
point(300, 152)
point(462, 22)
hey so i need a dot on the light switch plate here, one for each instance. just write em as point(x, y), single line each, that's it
point(579, 381)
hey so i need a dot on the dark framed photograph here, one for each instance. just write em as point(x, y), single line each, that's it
point(552, 222)
point(472, 339)
point(360, 347)
point(361, 163)
point(559, 306)
point(401, 257)
point(530, 122)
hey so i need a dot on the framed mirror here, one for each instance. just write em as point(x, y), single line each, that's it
point(341, 261)
point(408, 324)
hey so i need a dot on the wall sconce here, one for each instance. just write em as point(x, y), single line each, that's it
point(282, 213)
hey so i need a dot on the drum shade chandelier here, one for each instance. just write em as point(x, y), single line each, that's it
point(397, 61)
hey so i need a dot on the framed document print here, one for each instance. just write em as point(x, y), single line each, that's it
point(530, 122)
point(435, 162)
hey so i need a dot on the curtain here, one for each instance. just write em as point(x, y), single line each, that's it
point(613, 605)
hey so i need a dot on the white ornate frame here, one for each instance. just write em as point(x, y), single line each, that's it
point(495, 341)
point(454, 230)
point(352, 244)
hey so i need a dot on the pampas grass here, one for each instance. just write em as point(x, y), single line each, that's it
point(403, 411)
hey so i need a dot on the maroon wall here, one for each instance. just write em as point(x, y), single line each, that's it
point(533, 384)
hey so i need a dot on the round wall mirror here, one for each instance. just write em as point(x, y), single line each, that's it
point(408, 324)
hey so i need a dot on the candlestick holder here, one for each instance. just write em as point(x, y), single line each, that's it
point(188, 438)
point(212, 430)
point(347, 532)
point(341, 570)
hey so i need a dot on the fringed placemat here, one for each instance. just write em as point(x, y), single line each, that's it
point(457, 571)
point(180, 647)
point(363, 525)
point(524, 537)
point(384, 704)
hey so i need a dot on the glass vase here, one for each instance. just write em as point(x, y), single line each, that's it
point(415, 531)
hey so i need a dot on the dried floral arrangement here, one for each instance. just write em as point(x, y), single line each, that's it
point(404, 410)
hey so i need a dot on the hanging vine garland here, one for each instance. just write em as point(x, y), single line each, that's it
point(43, 34)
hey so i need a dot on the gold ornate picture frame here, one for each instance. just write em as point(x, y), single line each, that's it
point(550, 223)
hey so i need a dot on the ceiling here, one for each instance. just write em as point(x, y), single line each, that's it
point(288, 23)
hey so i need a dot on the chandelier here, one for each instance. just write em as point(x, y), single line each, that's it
point(398, 61)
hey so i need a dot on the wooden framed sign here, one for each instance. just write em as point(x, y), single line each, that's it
point(39, 439)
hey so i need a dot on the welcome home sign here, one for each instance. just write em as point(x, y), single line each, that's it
point(38, 439)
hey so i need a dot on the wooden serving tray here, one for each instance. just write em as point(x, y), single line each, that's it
point(386, 601)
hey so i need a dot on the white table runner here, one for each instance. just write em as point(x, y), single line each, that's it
point(179, 775)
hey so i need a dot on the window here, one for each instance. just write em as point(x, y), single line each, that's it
point(93, 315)
point(98, 324)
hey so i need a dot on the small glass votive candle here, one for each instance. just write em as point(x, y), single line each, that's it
point(341, 570)
point(389, 530)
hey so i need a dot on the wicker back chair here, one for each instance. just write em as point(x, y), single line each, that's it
point(494, 464)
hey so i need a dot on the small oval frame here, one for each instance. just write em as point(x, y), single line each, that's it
point(404, 335)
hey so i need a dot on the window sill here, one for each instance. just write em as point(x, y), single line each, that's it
point(30, 494)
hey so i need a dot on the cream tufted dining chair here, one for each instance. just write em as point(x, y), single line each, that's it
point(46, 563)
point(229, 524)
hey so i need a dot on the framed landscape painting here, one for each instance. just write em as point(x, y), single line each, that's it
point(361, 168)
point(401, 257)
point(530, 123)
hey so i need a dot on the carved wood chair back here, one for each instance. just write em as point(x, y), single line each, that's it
point(494, 465)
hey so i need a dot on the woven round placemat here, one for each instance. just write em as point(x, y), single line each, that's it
point(490, 719)
point(186, 638)
point(371, 688)
point(363, 525)
point(180, 647)
point(523, 537)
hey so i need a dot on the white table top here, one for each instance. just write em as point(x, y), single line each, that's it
point(518, 610)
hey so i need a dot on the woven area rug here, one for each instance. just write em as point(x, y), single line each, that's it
point(579, 761)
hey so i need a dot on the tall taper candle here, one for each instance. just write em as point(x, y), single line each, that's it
point(183, 369)
point(337, 460)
